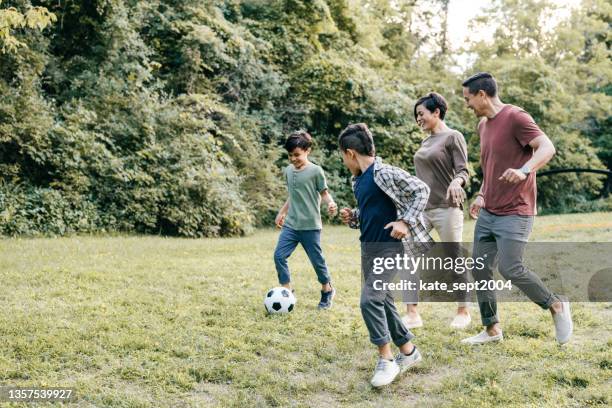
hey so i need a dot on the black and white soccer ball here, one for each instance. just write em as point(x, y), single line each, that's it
point(279, 300)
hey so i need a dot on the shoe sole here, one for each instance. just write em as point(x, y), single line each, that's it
point(462, 327)
point(393, 379)
point(483, 342)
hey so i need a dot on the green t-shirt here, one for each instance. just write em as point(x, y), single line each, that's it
point(304, 187)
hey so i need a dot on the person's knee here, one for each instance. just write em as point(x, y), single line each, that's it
point(368, 301)
point(279, 256)
point(512, 270)
point(481, 273)
point(364, 302)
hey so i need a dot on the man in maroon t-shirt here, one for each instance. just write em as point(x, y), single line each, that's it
point(512, 148)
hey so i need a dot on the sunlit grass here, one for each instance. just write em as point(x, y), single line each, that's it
point(158, 322)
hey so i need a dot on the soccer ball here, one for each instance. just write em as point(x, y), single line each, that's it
point(279, 300)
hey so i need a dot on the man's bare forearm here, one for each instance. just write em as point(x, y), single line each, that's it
point(544, 150)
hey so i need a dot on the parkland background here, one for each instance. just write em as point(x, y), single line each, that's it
point(167, 117)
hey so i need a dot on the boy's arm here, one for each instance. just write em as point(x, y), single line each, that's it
point(332, 208)
point(415, 193)
point(350, 217)
point(282, 213)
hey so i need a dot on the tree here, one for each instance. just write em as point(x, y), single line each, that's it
point(11, 18)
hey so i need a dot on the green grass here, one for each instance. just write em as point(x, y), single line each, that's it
point(157, 322)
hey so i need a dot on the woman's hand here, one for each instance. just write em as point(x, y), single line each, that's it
point(456, 192)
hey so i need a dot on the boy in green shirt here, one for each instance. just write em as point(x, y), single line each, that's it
point(300, 217)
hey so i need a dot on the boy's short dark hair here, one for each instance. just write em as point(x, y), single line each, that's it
point(481, 80)
point(357, 137)
point(431, 102)
point(301, 139)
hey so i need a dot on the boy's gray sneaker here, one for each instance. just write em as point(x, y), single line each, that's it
point(326, 299)
point(405, 362)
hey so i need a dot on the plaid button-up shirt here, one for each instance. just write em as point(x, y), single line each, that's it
point(410, 195)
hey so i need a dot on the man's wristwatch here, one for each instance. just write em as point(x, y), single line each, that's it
point(525, 170)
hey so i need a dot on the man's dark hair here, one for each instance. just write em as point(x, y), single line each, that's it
point(357, 137)
point(431, 102)
point(301, 139)
point(481, 80)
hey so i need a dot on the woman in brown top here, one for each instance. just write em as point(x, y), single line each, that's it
point(441, 162)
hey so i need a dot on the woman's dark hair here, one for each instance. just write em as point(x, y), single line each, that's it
point(301, 139)
point(481, 80)
point(431, 102)
point(357, 137)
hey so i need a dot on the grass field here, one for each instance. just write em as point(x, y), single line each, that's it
point(158, 322)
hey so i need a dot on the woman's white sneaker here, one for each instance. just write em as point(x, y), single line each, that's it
point(385, 372)
point(483, 337)
point(461, 321)
point(412, 322)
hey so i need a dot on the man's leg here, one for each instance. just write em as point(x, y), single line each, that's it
point(511, 267)
point(513, 234)
point(485, 255)
point(287, 241)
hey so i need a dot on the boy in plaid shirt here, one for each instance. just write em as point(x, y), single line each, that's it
point(389, 216)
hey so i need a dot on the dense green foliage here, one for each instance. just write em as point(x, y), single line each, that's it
point(168, 116)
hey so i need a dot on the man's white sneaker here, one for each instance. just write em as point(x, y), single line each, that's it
point(405, 362)
point(461, 321)
point(385, 372)
point(412, 322)
point(564, 326)
point(483, 337)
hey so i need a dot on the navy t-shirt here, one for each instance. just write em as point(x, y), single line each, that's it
point(376, 209)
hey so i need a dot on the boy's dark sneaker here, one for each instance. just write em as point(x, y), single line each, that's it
point(326, 299)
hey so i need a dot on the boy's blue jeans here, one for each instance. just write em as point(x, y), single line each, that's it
point(311, 242)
